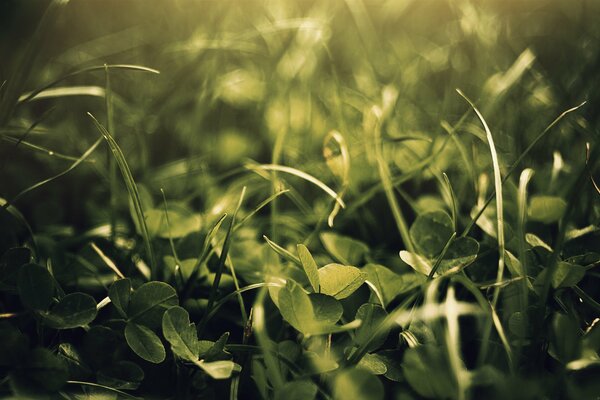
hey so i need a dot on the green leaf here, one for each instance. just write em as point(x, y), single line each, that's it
point(120, 294)
point(327, 310)
point(41, 371)
point(565, 339)
point(296, 390)
point(183, 221)
point(546, 209)
point(355, 384)
point(213, 351)
point(149, 302)
point(36, 286)
point(567, 274)
point(121, 375)
point(461, 253)
point(389, 283)
point(295, 307)
point(310, 267)
point(186, 267)
point(10, 264)
point(344, 249)
point(430, 232)
point(144, 343)
point(78, 368)
point(14, 345)
point(180, 333)
point(219, 369)
point(72, 311)
point(340, 281)
point(427, 371)
point(373, 364)
point(372, 316)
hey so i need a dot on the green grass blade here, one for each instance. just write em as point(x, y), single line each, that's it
point(499, 219)
point(47, 86)
point(518, 161)
point(202, 257)
point(283, 252)
point(388, 186)
point(454, 208)
point(133, 192)
point(303, 175)
point(85, 155)
point(222, 258)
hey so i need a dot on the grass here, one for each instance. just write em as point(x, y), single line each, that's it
point(299, 204)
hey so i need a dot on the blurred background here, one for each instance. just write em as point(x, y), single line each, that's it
point(245, 82)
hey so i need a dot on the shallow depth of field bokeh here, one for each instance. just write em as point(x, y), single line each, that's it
point(344, 118)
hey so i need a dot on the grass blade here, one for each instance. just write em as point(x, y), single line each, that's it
point(518, 161)
point(85, 155)
point(130, 67)
point(303, 175)
point(499, 219)
point(222, 258)
point(133, 192)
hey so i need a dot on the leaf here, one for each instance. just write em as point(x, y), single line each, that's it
point(295, 307)
point(357, 385)
point(567, 275)
point(180, 333)
point(183, 221)
point(213, 351)
point(372, 316)
point(186, 267)
point(417, 262)
point(41, 371)
point(296, 390)
point(426, 370)
point(327, 310)
point(389, 283)
point(310, 267)
point(219, 369)
point(121, 375)
point(76, 365)
point(344, 249)
point(120, 294)
point(461, 253)
point(72, 311)
point(430, 232)
point(36, 286)
point(144, 343)
point(14, 345)
point(546, 209)
point(373, 364)
point(10, 264)
point(565, 339)
point(340, 281)
point(149, 302)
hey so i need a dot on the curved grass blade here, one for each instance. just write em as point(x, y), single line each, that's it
point(453, 200)
point(499, 219)
point(202, 257)
point(132, 190)
point(14, 86)
point(222, 258)
point(518, 161)
point(283, 252)
point(131, 67)
point(498, 192)
point(303, 175)
point(85, 155)
point(386, 181)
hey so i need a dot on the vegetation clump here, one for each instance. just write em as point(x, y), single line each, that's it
point(299, 199)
